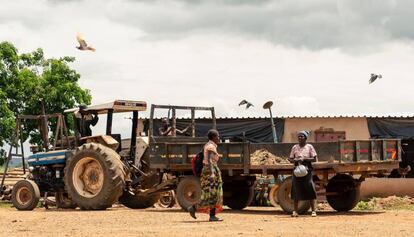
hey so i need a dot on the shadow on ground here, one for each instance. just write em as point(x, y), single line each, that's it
point(273, 212)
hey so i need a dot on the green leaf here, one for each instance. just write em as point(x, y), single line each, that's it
point(29, 78)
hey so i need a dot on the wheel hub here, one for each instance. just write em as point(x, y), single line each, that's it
point(88, 177)
point(92, 177)
point(190, 192)
point(24, 196)
point(166, 199)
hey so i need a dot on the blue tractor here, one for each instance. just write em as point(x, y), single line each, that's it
point(89, 172)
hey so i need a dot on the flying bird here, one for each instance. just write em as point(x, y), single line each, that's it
point(374, 77)
point(82, 43)
point(247, 103)
point(243, 102)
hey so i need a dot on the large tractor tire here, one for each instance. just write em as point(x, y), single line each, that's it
point(94, 177)
point(347, 192)
point(188, 192)
point(138, 201)
point(64, 201)
point(286, 202)
point(25, 195)
point(238, 195)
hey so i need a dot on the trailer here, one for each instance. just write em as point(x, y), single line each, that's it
point(94, 172)
point(341, 168)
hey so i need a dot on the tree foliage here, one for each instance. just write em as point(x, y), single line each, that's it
point(29, 78)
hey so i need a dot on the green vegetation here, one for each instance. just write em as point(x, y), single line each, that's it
point(363, 206)
point(389, 203)
point(28, 79)
point(5, 204)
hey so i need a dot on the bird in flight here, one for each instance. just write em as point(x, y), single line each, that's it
point(247, 103)
point(374, 77)
point(82, 43)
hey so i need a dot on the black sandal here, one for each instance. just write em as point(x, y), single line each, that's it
point(192, 212)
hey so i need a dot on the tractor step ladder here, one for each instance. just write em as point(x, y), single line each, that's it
point(14, 145)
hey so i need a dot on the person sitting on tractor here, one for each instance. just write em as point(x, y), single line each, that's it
point(85, 120)
point(167, 130)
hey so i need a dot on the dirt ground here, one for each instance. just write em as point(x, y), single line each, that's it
point(120, 221)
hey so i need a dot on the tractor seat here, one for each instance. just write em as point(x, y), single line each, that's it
point(117, 137)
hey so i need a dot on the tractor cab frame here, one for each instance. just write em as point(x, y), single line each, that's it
point(110, 139)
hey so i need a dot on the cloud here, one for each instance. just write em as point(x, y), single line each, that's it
point(298, 106)
point(215, 53)
point(301, 24)
point(350, 25)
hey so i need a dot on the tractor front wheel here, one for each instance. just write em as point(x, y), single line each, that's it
point(25, 195)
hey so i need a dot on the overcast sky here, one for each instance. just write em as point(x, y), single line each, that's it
point(310, 57)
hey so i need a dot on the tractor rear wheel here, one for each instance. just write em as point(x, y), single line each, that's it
point(347, 192)
point(286, 202)
point(94, 177)
point(138, 201)
point(188, 192)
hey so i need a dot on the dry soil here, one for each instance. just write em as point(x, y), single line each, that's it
point(253, 221)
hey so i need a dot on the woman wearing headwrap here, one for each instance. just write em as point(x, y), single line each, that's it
point(303, 188)
point(211, 182)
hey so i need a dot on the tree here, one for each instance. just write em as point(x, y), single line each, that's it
point(7, 124)
point(28, 79)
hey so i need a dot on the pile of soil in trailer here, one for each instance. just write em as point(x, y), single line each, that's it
point(264, 157)
point(388, 203)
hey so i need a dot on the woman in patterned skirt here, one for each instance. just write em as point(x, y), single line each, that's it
point(303, 188)
point(211, 183)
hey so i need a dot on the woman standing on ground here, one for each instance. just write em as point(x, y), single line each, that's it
point(211, 183)
point(303, 188)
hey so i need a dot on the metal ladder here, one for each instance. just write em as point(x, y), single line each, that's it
point(17, 141)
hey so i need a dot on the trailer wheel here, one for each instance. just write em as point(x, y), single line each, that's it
point(25, 195)
point(286, 202)
point(188, 192)
point(347, 190)
point(167, 199)
point(94, 177)
point(273, 195)
point(64, 201)
point(138, 201)
point(238, 196)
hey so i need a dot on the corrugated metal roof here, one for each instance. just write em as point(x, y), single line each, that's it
point(305, 117)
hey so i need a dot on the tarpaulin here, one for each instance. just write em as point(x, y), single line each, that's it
point(255, 130)
point(402, 128)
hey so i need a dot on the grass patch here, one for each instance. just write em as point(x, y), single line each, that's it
point(389, 203)
point(5, 205)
